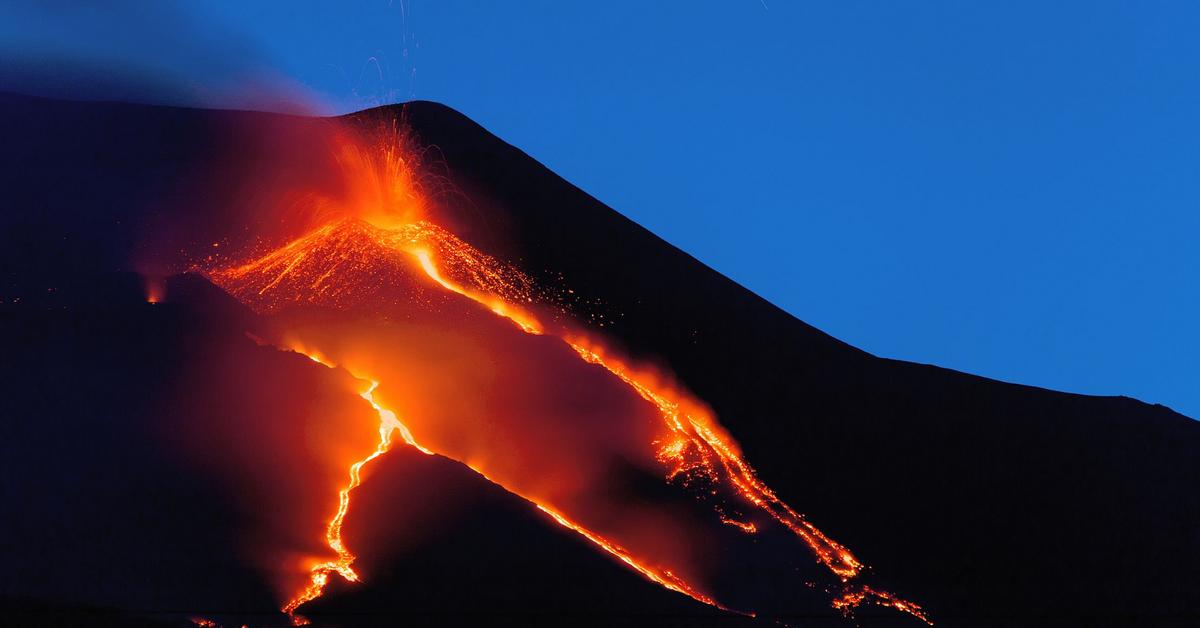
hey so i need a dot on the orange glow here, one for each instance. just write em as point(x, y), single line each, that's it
point(527, 323)
point(748, 528)
point(342, 564)
point(155, 289)
point(856, 596)
point(383, 233)
point(663, 577)
point(382, 178)
point(696, 432)
point(701, 450)
point(389, 424)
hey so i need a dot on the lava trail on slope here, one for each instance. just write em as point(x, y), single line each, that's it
point(485, 369)
point(194, 469)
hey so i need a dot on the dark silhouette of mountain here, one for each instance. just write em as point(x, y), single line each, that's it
point(991, 504)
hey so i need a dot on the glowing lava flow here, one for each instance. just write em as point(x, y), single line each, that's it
point(663, 577)
point(528, 324)
point(851, 599)
point(698, 450)
point(695, 435)
point(343, 564)
point(373, 244)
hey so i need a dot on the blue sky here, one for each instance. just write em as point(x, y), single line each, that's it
point(1006, 188)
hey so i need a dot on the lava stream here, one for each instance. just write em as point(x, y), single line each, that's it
point(695, 431)
point(697, 449)
point(342, 565)
point(663, 577)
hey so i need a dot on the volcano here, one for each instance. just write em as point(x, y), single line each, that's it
point(386, 368)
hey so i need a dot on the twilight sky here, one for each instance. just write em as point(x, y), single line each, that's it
point(1007, 188)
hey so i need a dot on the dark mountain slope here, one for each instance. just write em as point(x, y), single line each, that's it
point(990, 503)
point(985, 500)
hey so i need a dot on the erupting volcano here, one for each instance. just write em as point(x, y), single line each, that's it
point(387, 369)
point(394, 269)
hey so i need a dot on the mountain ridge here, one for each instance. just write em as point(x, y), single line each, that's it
point(990, 503)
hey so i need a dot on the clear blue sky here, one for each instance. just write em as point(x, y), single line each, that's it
point(1009, 188)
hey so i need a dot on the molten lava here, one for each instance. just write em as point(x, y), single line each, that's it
point(343, 563)
point(366, 251)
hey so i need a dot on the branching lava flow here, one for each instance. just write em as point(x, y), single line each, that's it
point(698, 449)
